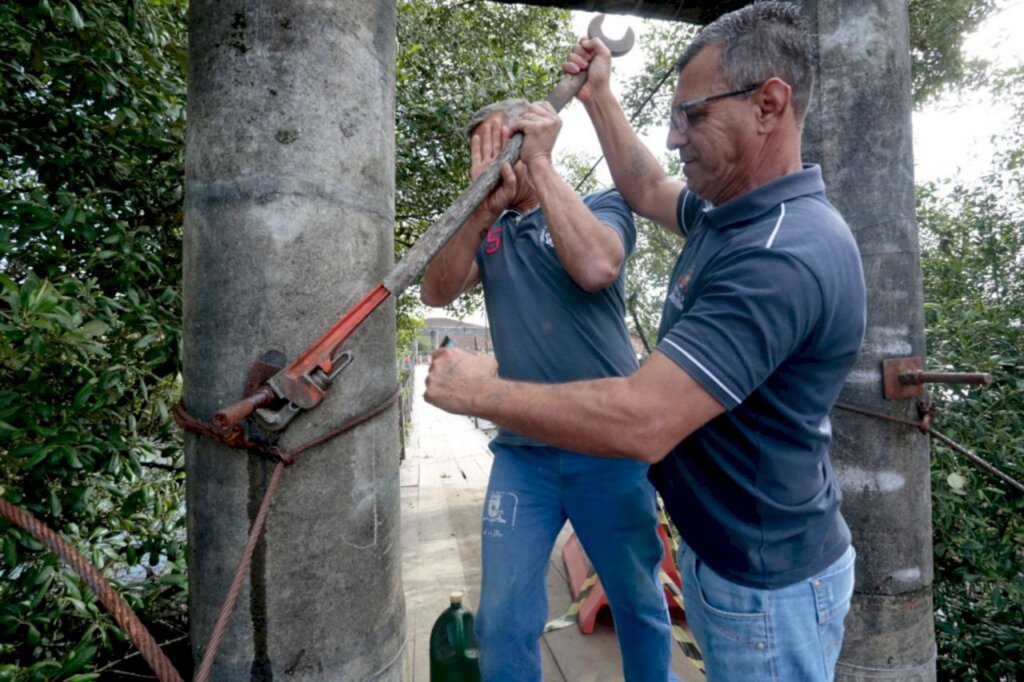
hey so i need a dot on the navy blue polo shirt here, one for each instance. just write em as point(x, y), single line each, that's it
point(546, 329)
point(766, 311)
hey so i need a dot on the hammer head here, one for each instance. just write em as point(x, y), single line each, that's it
point(616, 47)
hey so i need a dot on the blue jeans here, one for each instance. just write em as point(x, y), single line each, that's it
point(793, 633)
point(532, 491)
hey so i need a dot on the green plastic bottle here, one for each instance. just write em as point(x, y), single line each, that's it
point(454, 653)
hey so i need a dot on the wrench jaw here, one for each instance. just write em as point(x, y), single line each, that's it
point(617, 47)
point(278, 418)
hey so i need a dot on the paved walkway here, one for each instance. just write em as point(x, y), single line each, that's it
point(444, 480)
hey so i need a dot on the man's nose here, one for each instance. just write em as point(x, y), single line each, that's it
point(675, 139)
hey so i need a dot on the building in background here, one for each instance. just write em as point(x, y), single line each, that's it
point(464, 335)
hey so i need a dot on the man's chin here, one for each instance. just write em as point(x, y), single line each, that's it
point(692, 179)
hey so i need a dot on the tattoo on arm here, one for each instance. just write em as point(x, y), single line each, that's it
point(638, 166)
point(497, 396)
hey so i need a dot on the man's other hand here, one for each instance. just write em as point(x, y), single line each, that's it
point(592, 56)
point(485, 146)
point(540, 124)
point(456, 376)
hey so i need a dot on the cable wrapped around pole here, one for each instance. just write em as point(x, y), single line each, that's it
point(113, 601)
point(285, 459)
point(221, 626)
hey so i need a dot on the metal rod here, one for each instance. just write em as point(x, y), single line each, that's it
point(919, 377)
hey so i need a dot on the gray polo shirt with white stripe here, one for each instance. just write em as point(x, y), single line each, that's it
point(766, 311)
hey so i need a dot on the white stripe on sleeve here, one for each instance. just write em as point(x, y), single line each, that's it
point(778, 224)
point(704, 369)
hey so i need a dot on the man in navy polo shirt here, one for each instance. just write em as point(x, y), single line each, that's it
point(552, 266)
point(763, 319)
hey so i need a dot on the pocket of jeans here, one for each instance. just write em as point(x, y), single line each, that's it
point(833, 591)
point(832, 594)
point(734, 611)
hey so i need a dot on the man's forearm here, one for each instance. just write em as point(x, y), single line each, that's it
point(597, 417)
point(632, 165)
point(448, 273)
point(635, 171)
point(589, 250)
point(642, 416)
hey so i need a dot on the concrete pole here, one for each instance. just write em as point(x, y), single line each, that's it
point(289, 207)
point(860, 132)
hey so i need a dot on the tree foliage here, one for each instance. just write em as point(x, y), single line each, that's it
point(973, 254)
point(973, 260)
point(937, 32)
point(91, 140)
point(453, 58)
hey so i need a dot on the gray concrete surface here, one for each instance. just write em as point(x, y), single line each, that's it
point(289, 194)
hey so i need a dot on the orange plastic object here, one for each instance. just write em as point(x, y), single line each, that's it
point(579, 568)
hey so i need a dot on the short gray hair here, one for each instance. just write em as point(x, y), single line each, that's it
point(510, 107)
point(761, 41)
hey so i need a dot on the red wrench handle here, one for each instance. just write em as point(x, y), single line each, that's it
point(294, 383)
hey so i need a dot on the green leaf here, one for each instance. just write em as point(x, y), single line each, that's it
point(176, 579)
point(37, 457)
point(94, 328)
point(55, 506)
point(82, 396)
point(10, 551)
point(75, 16)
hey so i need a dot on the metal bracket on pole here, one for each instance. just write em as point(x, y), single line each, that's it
point(906, 377)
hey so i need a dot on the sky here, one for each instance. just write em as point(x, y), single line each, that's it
point(953, 136)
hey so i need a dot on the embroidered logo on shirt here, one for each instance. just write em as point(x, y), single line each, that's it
point(493, 240)
point(679, 290)
point(545, 238)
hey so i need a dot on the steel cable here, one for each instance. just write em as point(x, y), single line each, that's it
point(114, 602)
point(925, 427)
point(286, 459)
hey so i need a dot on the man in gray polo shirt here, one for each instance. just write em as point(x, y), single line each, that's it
point(763, 319)
point(552, 266)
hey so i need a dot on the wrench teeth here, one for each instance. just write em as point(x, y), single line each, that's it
point(616, 47)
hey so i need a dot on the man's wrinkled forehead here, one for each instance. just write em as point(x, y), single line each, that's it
point(700, 76)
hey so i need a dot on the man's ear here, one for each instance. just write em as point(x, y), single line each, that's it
point(774, 100)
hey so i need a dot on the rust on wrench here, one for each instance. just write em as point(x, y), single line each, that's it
point(616, 47)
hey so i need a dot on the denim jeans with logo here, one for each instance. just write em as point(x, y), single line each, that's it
point(531, 493)
point(790, 634)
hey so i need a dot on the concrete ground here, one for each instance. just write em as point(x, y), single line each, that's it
point(443, 480)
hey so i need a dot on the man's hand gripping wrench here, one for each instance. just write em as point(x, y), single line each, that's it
point(303, 384)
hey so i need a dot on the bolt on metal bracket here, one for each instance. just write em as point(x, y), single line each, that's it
point(906, 377)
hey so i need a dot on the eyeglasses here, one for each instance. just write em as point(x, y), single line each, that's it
point(681, 123)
